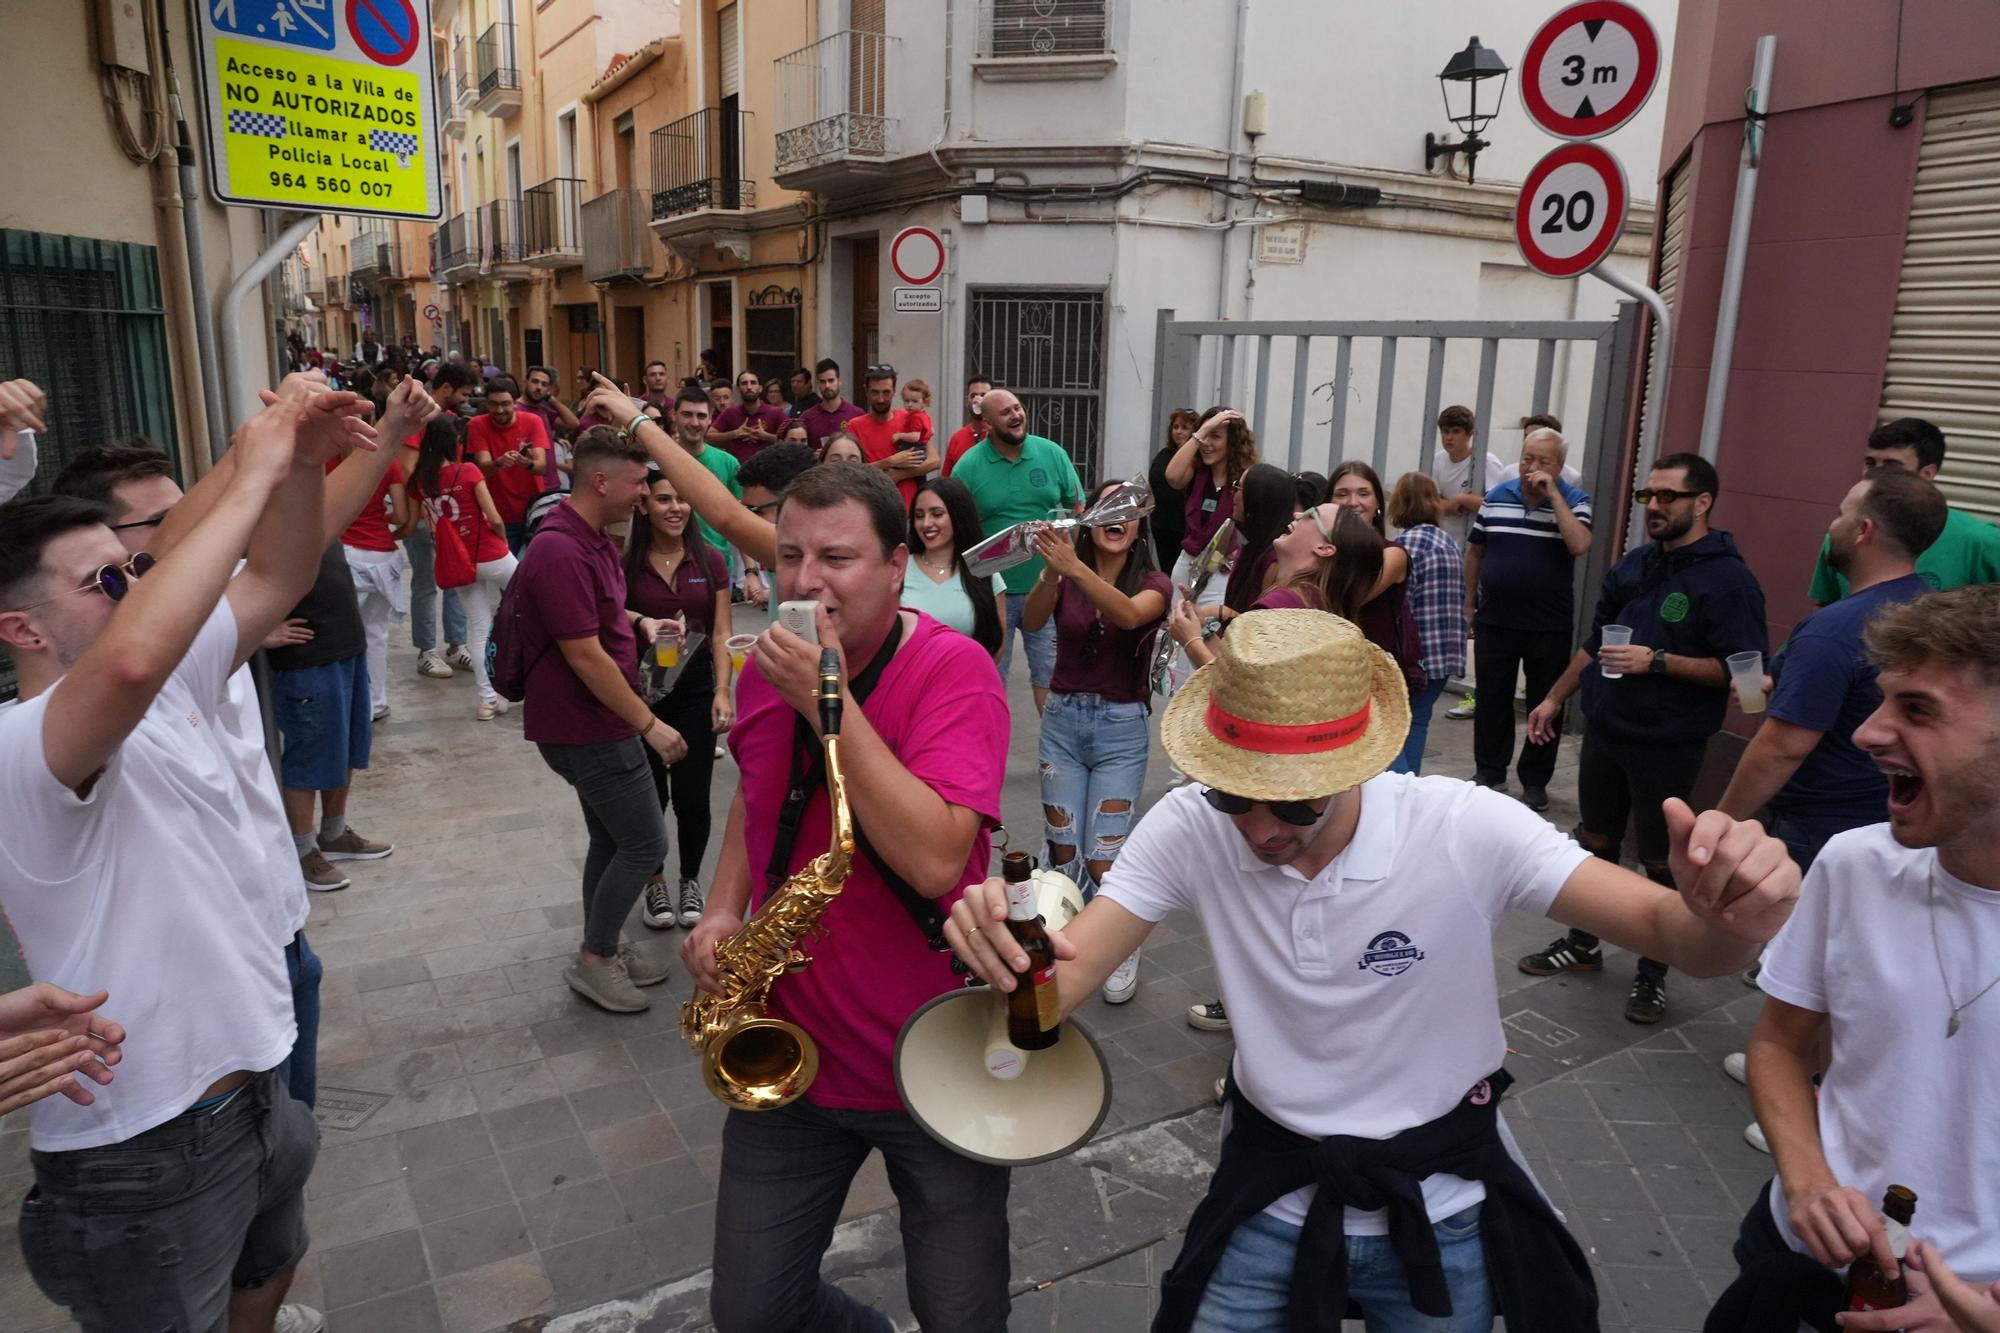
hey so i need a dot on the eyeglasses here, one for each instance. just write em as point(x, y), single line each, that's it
point(114, 581)
point(1320, 527)
point(765, 508)
point(1666, 495)
point(1299, 814)
point(152, 522)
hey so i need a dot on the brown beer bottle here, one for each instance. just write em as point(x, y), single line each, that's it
point(1034, 1011)
point(1868, 1287)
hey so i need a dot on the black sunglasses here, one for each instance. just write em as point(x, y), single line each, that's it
point(765, 508)
point(114, 581)
point(152, 522)
point(1666, 495)
point(1296, 813)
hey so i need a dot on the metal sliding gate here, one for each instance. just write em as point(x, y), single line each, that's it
point(1383, 383)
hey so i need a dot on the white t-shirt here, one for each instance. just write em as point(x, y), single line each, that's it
point(153, 887)
point(1362, 1001)
point(240, 720)
point(18, 471)
point(1901, 1104)
point(1456, 479)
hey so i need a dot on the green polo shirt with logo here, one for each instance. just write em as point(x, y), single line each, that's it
point(1966, 552)
point(724, 465)
point(1041, 479)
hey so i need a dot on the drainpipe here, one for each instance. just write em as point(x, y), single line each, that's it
point(1756, 103)
point(197, 262)
point(1236, 80)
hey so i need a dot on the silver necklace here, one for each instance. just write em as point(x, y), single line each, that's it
point(929, 565)
point(1951, 1028)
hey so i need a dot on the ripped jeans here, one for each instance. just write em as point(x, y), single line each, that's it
point(1093, 764)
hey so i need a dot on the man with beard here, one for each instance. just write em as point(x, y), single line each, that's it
point(1690, 601)
point(1804, 761)
point(832, 411)
point(1892, 954)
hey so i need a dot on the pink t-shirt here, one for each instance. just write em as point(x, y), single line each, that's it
point(940, 710)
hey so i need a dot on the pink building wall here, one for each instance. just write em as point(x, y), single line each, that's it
point(1826, 246)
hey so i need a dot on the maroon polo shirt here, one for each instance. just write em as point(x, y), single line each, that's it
point(822, 422)
point(733, 417)
point(575, 587)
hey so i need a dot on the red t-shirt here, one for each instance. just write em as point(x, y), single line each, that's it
point(961, 440)
point(457, 503)
point(370, 529)
point(940, 710)
point(513, 488)
point(877, 445)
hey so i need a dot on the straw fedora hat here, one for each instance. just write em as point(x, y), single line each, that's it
point(1296, 705)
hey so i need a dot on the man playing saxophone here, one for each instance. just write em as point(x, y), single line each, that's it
point(923, 742)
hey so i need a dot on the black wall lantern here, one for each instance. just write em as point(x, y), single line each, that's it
point(1460, 80)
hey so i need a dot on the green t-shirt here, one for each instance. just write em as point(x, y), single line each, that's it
point(1966, 552)
point(1041, 479)
point(724, 465)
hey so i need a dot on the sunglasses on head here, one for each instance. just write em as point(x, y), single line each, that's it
point(114, 581)
point(881, 372)
point(1666, 495)
point(1299, 814)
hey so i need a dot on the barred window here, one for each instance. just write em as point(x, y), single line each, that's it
point(1047, 346)
point(1031, 28)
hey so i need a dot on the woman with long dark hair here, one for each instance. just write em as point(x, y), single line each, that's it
point(1264, 501)
point(1169, 517)
point(944, 525)
point(453, 493)
point(1107, 599)
point(1386, 618)
point(681, 584)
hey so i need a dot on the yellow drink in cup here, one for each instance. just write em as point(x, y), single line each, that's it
point(739, 646)
point(667, 652)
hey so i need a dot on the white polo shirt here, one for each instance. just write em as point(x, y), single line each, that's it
point(155, 887)
point(1456, 479)
point(1901, 1103)
point(1363, 1000)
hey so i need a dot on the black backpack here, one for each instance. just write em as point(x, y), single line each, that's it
point(507, 663)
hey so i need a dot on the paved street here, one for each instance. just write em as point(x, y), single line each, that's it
point(498, 1155)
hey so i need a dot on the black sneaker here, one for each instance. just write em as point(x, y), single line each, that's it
point(1498, 783)
point(1648, 1001)
point(1535, 798)
point(1209, 1016)
point(1750, 977)
point(1562, 956)
point(656, 908)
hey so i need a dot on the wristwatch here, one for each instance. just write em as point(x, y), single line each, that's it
point(1658, 667)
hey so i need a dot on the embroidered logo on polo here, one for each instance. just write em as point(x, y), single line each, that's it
point(1675, 609)
point(1390, 954)
point(1037, 477)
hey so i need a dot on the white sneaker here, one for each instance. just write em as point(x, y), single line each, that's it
point(1736, 1064)
point(455, 654)
point(430, 662)
point(1123, 983)
point(381, 714)
point(298, 1319)
point(1465, 708)
point(485, 711)
point(1753, 1134)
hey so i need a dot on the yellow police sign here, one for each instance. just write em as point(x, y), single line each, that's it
point(321, 106)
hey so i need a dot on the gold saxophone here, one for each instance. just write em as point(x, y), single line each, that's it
point(750, 1060)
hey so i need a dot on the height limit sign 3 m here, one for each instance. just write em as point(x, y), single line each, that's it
point(323, 106)
point(1589, 69)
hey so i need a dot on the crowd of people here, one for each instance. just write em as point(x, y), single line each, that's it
point(588, 560)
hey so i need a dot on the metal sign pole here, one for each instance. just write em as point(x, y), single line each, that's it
point(240, 382)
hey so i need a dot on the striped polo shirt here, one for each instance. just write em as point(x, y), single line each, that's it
point(1527, 577)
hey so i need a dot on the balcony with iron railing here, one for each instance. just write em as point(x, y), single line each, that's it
point(698, 164)
point(499, 71)
point(616, 246)
point(365, 251)
point(457, 251)
point(553, 229)
point(501, 239)
point(451, 110)
point(834, 125)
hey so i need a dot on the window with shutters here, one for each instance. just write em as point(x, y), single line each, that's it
point(1944, 344)
point(1043, 28)
point(1047, 346)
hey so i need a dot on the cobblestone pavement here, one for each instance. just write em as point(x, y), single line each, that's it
point(497, 1155)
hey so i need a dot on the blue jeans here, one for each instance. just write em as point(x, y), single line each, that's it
point(517, 536)
point(300, 1072)
point(785, 1175)
point(1411, 760)
point(1093, 765)
point(1805, 835)
point(424, 596)
point(1041, 644)
point(1251, 1289)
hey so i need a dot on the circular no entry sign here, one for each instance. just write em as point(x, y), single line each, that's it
point(1571, 211)
point(1589, 69)
point(917, 255)
point(387, 31)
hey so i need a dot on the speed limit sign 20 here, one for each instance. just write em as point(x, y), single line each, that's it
point(1571, 211)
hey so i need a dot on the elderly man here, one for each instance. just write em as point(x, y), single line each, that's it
point(1520, 574)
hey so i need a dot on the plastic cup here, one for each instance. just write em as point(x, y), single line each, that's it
point(667, 652)
point(739, 646)
point(1615, 636)
point(1746, 673)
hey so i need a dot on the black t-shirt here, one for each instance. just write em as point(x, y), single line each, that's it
point(1168, 519)
point(332, 613)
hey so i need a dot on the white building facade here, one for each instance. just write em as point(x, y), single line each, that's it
point(1088, 163)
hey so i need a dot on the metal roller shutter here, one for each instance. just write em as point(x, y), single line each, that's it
point(725, 23)
point(1667, 282)
point(1944, 347)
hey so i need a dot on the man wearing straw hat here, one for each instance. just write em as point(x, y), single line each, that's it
point(1351, 915)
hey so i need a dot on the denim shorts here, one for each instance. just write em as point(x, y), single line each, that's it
point(326, 719)
point(157, 1231)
